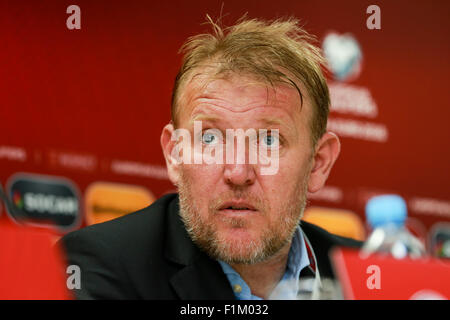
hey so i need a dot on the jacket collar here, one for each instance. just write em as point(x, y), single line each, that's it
point(199, 276)
point(179, 246)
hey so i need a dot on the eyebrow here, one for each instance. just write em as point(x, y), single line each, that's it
point(204, 117)
point(266, 121)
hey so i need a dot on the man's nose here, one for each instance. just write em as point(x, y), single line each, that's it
point(239, 174)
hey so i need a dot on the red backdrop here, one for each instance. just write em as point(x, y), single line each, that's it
point(79, 103)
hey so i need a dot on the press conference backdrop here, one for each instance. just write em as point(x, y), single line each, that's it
point(82, 109)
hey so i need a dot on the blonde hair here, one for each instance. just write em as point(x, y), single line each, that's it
point(265, 50)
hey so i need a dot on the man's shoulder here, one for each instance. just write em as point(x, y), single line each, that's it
point(318, 234)
point(125, 257)
point(134, 227)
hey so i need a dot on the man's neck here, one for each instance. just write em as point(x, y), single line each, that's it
point(263, 277)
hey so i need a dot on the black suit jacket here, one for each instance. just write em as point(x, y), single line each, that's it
point(149, 255)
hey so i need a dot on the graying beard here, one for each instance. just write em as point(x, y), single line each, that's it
point(206, 238)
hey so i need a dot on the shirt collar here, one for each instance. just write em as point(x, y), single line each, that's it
point(300, 256)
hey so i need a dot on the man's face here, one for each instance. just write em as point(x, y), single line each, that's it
point(231, 210)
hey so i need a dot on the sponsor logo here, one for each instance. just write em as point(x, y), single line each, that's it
point(17, 200)
point(44, 201)
point(440, 240)
point(344, 59)
point(106, 201)
point(344, 56)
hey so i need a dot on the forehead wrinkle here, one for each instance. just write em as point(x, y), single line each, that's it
point(271, 95)
point(206, 91)
point(216, 98)
point(211, 118)
point(203, 84)
point(225, 106)
point(269, 122)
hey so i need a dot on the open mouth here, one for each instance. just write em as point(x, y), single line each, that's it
point(237, 207)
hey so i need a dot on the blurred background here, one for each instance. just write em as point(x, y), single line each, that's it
point(81, 110)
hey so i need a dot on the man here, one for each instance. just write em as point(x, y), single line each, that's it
point(233, 230)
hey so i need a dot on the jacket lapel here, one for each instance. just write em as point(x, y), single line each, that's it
point(203, 279)
point(199, 276)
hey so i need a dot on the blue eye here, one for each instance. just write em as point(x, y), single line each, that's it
point(209, 138)
point(271, 141)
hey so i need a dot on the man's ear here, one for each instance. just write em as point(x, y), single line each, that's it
point(326, 153)
point(167, 144)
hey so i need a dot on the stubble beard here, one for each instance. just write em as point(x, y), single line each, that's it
point(274, 237)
